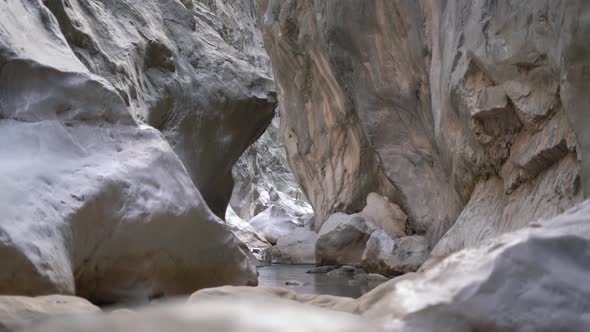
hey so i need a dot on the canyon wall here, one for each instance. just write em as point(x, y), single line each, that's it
point(468, 115)
point(119, 125)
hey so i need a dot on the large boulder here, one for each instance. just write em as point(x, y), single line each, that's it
point(18, 311)
point(274, 223)
point(394, 256)
point(385, 215)
point(254, 242)
point(93, 202)
point(527, 280)
point(453, 110)
point(194, 70)
point(296, 248)
point(342, 239)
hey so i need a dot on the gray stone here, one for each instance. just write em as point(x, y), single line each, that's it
point(19, 311)
point(273, 223)
point(94, 202)
point(385, 215)
point(342, 239)
point(394, 256)
point(295, 248)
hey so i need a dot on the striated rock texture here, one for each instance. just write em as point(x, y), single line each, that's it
point(263, 179)
point(95, 202)
point(450, 109)
point(194, 70)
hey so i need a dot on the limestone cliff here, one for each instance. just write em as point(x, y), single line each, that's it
point(468, 115)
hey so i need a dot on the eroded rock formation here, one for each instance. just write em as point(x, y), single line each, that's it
point(465, 114)
point(114, 117)
point(196, 71)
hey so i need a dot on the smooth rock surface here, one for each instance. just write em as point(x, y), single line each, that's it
point(342, 240)
point(195, 71)
point(263, 179)
point(394, 256)
point(253, 314)
point(273, 223)
point(385, 215)
point(93, 202)
point(17, 311)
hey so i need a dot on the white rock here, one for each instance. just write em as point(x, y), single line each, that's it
point(385, 215)
point(274, 223)
point(296, 248)
point(18, 311)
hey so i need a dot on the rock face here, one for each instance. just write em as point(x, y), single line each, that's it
point(450, 109)
point(394, 256)
point(296, 248)
point(342, 239)
point(17, 311)
point(194, 70)
point(94, 202)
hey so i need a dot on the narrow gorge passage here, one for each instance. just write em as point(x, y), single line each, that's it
point(294, 165)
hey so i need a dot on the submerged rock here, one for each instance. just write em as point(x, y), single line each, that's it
point(385, 215)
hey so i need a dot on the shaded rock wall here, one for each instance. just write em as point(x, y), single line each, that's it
point(452, 109)
point(194, 70)
point(114, 115)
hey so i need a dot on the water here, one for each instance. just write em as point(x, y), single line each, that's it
point(277, 275)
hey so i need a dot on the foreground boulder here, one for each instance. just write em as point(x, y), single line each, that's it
point(342, 239)
point(394, 256)
point(17, 311)
point(93, 203)
point(253, 314)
